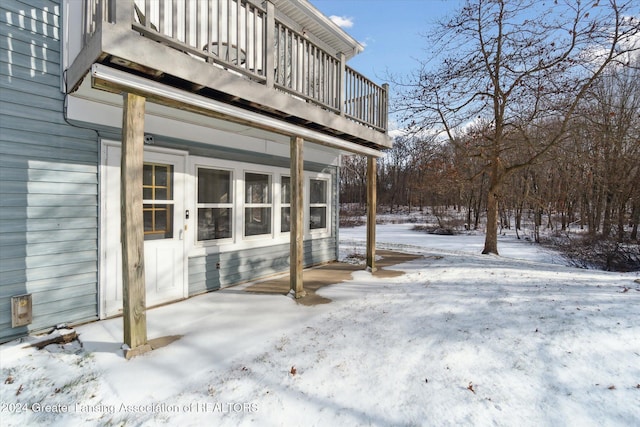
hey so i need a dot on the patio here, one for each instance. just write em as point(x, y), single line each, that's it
point(330, 274)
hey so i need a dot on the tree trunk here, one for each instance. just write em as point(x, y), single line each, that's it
point(491, 236)
point(608, 213)
point(537, 224)
point(635, 218)
point(621, 210)
point(469, 209)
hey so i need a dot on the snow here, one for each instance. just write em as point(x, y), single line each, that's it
point(459, 339)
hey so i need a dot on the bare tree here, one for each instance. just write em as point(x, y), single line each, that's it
point(612, 112)
point(353, 180)
point(516, 66)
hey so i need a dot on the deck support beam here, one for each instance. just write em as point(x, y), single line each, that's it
point(132, 227)
point(371, 212)
point(297, 218)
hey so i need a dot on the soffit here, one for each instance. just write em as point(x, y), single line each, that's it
point(304, 14)
point(324, 142)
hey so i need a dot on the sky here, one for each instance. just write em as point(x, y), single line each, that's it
point(390, 30)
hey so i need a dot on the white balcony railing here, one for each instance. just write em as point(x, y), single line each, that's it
point(244, 36)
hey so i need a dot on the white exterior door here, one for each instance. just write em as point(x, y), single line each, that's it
point(164, 221)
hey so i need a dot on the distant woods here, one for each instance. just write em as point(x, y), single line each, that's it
point(521, 109)
point(511, 86)
point(589, 181)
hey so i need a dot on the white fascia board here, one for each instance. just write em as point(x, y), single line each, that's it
point(331, 26)
point(138, 84)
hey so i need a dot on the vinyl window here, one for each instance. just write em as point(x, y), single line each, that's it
point(318, 204)
point(215, 204)
point(285, 204)
point(257, 204)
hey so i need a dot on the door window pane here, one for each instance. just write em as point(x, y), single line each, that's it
point(157, 192)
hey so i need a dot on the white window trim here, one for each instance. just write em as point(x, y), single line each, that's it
point(214, 205)
point(283, 205)
point(247, 205)
point(239, 241)
point(317, 232)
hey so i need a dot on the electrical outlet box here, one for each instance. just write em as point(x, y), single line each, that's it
point(21, 310)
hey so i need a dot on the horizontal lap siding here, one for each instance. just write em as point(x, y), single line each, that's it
point(48, 177)
point(251, 264)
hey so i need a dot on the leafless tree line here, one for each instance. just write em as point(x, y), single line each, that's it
point(505, 81)
point(588, 181)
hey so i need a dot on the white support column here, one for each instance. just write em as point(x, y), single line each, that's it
point(269, 47)
point(132, 227)
point(297, 217)
point(342, 81)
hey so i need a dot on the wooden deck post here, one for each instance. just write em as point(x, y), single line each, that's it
point(131, 226)
point(297, 217)
point(371, 212)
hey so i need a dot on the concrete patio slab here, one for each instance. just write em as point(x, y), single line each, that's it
point(330, 274)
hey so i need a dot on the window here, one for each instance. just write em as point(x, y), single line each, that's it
point(285, 204)
point(257, 199)
point(235, 202)
point(317, 204)
point(157, 195)
point(215, 204)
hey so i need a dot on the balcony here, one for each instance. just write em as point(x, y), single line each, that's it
point(279, 58)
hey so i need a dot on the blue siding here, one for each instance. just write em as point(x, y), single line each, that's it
point(211, 272)
point(49, 186)
point(242, 266)
point(48, 177)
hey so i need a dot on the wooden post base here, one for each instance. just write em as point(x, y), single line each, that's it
point(130, 353)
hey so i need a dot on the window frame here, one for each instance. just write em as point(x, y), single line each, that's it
point(269, 204)
point(151, 205)
point(284, 205)
point(228, 205)
point(240, 241)
point(326, 204)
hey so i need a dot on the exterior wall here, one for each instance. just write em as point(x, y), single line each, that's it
point(49, 187)
point(216, 270)
point(48, 177)
point(243, 266)
point(213, 271)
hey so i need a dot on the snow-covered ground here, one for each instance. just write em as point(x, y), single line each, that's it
point(460, 339)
